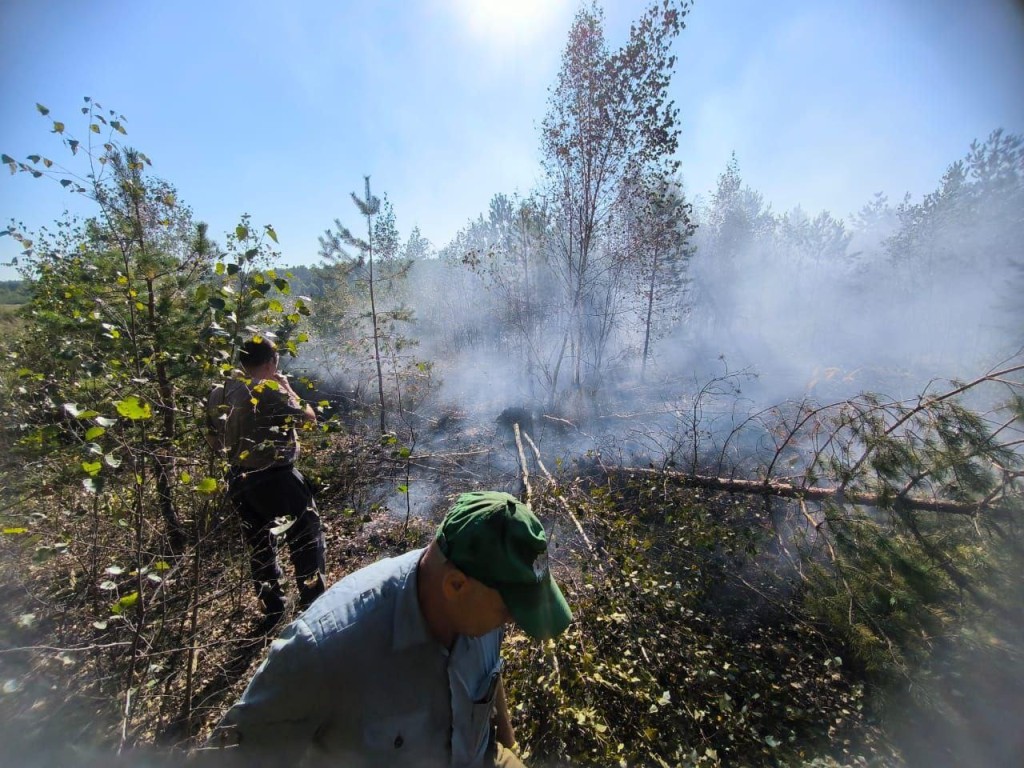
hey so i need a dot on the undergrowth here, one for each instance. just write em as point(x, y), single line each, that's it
point(682, 654)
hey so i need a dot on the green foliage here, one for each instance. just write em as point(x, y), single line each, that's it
point(245, 297)
point(111, 297)
point(679, 653)
point(132, 312)
point(710, 630)
point(654, 226)
point(362, 320)
point(897, 576)
point(919, 532)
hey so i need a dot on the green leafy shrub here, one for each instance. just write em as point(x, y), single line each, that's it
point(673, 660)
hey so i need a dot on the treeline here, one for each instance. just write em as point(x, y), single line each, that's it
point(613, 272)
point(887, 299)
point(13, 292)
point(893, 296)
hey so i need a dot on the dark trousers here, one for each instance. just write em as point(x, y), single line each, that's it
point(262, 499)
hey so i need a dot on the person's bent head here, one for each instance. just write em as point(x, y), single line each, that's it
point(256, 353)
point(495, 568)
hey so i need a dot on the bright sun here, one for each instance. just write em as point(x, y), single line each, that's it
point(503, 21)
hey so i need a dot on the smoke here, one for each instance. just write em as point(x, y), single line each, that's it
point(803, 307)
point(967, 708)
point(776, 308)
point(887, 303)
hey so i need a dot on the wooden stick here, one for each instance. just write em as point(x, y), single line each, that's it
point(522, 463)
point(565, 504)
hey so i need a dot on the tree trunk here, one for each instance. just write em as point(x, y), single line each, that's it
point(373, 315)
point(787, 490)
point(164, 454)
point(650, 311)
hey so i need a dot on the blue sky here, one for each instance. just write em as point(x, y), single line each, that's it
point(279, 109)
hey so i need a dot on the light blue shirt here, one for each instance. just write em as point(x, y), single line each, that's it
point(358, 681)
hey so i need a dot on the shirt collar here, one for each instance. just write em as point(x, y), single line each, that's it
point(409, 628)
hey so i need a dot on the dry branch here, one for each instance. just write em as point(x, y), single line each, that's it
point(562, 501)
point(522, 463)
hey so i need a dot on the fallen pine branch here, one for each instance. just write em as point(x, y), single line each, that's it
point(790, 491)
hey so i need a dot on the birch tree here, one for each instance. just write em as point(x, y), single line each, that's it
point(608, 114)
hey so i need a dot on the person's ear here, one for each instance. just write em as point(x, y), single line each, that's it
point(454, 584)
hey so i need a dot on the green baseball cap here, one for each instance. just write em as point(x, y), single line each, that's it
point(496, 539)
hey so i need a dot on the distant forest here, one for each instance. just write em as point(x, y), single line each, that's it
point(13, 292)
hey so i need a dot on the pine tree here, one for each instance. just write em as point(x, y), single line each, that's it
point(379, 269)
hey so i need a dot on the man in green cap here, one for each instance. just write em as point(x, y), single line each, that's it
point(399, 664)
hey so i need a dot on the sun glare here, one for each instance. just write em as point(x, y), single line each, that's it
point(506, 21)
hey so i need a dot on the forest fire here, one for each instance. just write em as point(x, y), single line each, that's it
point(779, 454)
